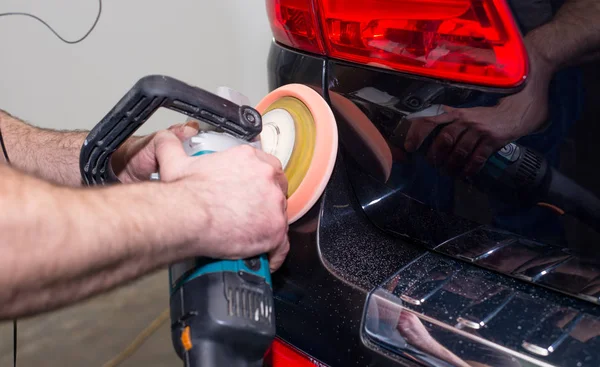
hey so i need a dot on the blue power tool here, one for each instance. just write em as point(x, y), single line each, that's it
point(221, 310)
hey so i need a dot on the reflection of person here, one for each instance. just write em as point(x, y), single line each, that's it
point(395, 326)
point(473, 134)
point(415, 333)
point(61, 243)
point(558, 35)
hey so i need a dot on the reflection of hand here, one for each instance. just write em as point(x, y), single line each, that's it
point(473, 134)
point(415, 333)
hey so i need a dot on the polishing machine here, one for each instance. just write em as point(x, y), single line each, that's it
point(222, 310)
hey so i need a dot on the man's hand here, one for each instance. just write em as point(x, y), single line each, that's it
point(237, 185)
point(135, 160)
point(226, 205)
point(472, 135)
point(241, 193)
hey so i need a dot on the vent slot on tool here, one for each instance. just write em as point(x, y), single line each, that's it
point(249, 304)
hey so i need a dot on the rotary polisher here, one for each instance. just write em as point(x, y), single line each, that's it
point(222, 310)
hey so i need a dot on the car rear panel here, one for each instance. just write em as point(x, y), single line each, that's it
point(396, 253)
point(321, 290)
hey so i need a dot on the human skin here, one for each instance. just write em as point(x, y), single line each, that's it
point(472, 135)
point(62, 243)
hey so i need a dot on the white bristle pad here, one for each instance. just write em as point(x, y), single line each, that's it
point(278, 135)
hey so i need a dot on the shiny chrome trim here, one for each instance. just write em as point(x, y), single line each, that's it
point(499, 246)
point(591, 292)
point(415, 302)
point(536, 350)
point(549, 269)
point(470, 324)
point(422, 291)
point(505, 296)
point(468, 314)
point(458, 236)
point(478, 246)
point(545, 351)
point(526, 274)
point(399, 346)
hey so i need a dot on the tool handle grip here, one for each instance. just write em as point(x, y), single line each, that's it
point(145, 97)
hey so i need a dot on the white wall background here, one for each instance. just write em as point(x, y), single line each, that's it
point(206, 43)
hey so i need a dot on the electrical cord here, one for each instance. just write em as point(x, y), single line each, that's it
point(52, 29)
point(140, 339)
point(2, 140)
point(4, 148)
point(14, 343)
point(14, 321)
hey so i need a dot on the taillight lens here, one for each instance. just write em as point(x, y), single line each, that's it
point(282, 354)
point(294, 23)
point(469, 41)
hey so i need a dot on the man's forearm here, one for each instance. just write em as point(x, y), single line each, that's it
point(572, 36)
point(59, 245)
point(52, 155)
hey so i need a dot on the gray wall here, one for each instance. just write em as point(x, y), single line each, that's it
point(207, 43)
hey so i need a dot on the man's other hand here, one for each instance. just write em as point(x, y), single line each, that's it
point(237, 196)
point(135, 160)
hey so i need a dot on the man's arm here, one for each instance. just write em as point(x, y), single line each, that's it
point(59, 245)
point(54, 155)
point(49, 154)
point(571, 37)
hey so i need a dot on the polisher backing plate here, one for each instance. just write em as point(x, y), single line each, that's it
point(278, 134)
point(301, 148)
point(324, 150)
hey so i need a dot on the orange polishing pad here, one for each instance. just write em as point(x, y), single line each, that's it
point(322, 129)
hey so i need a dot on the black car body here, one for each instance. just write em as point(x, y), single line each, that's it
point(400, 264)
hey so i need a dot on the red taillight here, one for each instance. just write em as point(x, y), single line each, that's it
point(468, 41)
point(294, 23)
point(282, 354)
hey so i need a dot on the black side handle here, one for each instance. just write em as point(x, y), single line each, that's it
point(145, 97)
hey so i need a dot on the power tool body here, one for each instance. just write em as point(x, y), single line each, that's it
point(221, 310)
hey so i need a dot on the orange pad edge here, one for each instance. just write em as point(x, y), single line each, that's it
point(326, 145)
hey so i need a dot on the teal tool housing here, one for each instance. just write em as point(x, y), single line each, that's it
point(205, 266)
point(202, 266)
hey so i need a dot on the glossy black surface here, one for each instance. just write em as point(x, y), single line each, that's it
point(384, 208)
point(336, 256)
point(417, 200)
